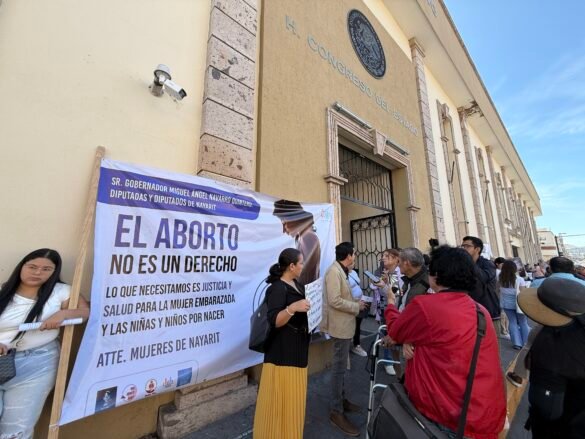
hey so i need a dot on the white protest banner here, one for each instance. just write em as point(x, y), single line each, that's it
point(179, 266)
point(314, 294)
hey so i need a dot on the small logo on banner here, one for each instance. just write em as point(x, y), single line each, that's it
point(129, 393)
point(150, 387)
point(105, 399)
point(324, 214)
point(184, 376)
point(168, 382)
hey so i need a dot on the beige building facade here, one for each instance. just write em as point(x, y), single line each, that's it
point(280, 100)
point(548, 244)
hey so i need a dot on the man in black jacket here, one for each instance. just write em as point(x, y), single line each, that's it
point(415, 276)
point(485, 286)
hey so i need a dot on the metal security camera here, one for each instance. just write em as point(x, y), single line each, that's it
point(161, 74)
point(174, 90)
point(162, 82)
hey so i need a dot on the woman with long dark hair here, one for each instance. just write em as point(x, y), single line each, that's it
point(282, 397)
point(33, 293)
point(509, 285)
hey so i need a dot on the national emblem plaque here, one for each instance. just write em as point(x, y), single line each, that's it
point(366, 43)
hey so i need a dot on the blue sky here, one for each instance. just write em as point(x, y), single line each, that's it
point(531, 57)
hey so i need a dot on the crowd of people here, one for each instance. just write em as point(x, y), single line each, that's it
point(430, 305)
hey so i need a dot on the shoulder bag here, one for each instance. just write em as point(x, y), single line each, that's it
point(518, 309)
point(7, 364)
point(259, 328)
point(397, 418)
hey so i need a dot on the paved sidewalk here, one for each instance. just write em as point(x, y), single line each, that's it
point(239, 425)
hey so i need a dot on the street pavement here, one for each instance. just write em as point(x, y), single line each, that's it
point(317, 426)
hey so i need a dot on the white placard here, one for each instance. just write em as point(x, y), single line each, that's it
point(314, 294)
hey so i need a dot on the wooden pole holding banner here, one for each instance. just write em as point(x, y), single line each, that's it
point(86, 233)
point(513, 398)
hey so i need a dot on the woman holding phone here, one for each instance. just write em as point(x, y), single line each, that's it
point(33, 293)
point(389, 279)
point(282, 397)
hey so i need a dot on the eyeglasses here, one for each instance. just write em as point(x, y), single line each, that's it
point(467, 246)
point(33, 267)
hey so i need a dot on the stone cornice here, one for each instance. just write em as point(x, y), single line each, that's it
point(414, 44)
point(335, 179)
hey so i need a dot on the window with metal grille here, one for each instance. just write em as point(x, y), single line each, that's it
point(368, 183)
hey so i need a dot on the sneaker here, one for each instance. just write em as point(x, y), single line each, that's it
point(505, 336)
point(390, 370)
point(344, 424)
point(514, 379)
point(358, 350)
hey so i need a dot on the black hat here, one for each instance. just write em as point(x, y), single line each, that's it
point(290, 211)
point(555, 303)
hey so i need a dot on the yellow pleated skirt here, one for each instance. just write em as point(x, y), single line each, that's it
point(281, 404)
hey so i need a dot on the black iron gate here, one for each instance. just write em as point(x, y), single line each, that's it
point(369, 184)
point(371, 236)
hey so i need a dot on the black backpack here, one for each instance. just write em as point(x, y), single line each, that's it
point(260, 328)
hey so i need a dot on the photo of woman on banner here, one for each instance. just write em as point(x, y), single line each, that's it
point(282, 395)
point(34, 292)
point(299, 224)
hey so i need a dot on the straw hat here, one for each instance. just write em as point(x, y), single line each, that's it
point(555, 302)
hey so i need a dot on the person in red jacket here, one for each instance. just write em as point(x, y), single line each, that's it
point(442, 327)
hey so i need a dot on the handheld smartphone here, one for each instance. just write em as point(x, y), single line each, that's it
point(372, 276)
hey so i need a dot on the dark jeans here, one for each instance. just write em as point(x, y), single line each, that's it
point(358, 332)
point(338, 368)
